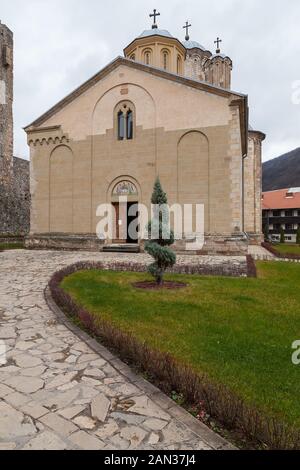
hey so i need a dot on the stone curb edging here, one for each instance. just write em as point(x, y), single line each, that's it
point(159, 398)
point(274, 258)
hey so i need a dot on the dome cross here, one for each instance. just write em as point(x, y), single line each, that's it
point(154, 15)
point(186, 27)
point(218, 42)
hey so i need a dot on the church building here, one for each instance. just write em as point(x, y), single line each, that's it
point(164, 109)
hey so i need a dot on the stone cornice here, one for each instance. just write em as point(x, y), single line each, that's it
point(257, 134)
point(52, 135)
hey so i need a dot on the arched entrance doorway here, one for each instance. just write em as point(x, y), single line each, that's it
point(125, 199)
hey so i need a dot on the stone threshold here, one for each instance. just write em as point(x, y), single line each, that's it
point(205, 434)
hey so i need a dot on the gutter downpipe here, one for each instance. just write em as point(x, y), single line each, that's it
point(243, 194)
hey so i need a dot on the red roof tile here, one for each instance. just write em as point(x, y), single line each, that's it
point(279, 200)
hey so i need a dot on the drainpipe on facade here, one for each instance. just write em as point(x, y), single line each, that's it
point(243, 195)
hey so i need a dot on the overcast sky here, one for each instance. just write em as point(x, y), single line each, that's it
point(61, 43)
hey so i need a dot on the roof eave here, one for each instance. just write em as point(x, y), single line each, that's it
point(197, 84)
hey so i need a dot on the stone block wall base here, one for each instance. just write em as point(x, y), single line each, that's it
point(214, 244)
point(255, 238)
point(64, 242)
point(11, 238)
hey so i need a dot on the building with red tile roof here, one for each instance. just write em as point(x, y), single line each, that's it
point(281, 210)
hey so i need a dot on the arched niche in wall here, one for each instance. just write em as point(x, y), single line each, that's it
point(193, 170)
point(61, 190)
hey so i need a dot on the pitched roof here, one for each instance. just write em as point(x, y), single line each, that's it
point(238, 99)
point(282, 199)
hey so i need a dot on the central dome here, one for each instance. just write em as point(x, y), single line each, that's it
point(158, 48)
point(156, 32)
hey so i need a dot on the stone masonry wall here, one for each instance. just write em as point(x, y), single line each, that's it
point(6, 103)
point(14, 172)
point(15, 200)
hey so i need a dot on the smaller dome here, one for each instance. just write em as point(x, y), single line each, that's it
point(223, 56)
point(193, 45)
point(156, 32)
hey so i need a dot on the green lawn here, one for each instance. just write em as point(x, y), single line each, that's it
point(238, 331)
point(285, 248)
point(11, 246)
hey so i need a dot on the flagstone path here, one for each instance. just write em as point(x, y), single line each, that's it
point(56, 392)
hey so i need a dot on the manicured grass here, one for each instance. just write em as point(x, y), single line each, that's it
point(285, 248)
point(238, 331)
point(11, 246)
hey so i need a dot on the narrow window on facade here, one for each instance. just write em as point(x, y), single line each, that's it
point(121, 125)
point(178, 65)
point(132, 57)
point(129, 125)
point(165, 60)
point(147, 57)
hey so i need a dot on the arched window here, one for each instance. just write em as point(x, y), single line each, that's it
point(165, 59)
point(179, 69)
point(132, 57)
point(147, 56)
point(124, 119)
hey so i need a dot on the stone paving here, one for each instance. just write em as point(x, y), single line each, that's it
point(56, 392)
point(260, 253)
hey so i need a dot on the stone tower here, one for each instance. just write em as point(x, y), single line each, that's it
point(218, 70)
point(6, 104)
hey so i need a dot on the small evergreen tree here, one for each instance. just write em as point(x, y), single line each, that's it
point(298, 236)
point(160, 235)
point(282, 237)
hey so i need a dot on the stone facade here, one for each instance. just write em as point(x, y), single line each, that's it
point(14, 172)
point(77, 157)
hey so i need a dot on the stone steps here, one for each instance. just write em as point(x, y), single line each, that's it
point(124, 248)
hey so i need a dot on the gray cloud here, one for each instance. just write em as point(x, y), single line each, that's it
point(60, 44)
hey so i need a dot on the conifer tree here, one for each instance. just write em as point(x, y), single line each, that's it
point(160, 235)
